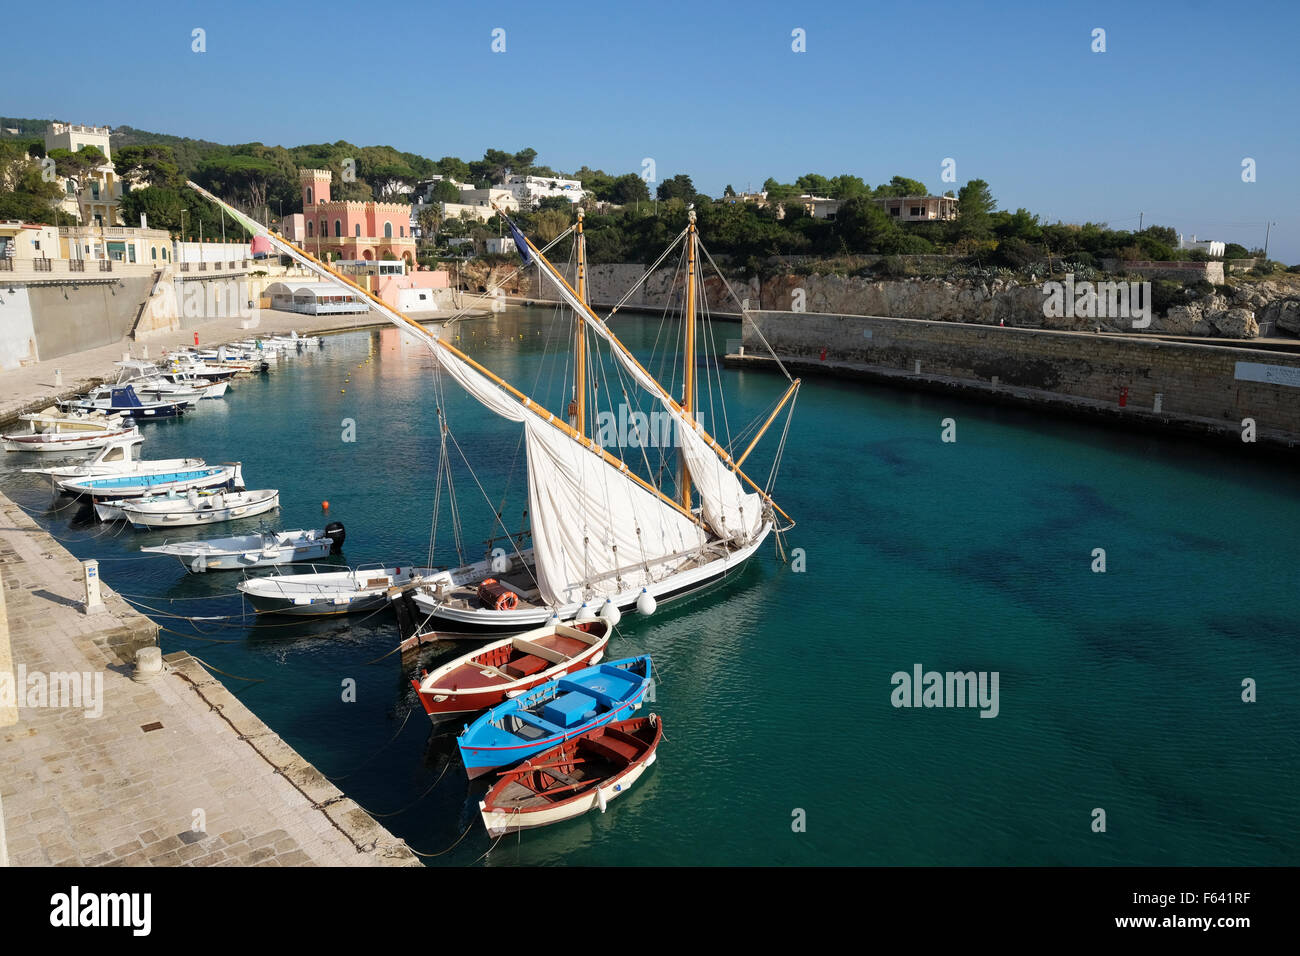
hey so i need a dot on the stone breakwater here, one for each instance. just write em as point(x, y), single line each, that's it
point(1205, 389)
point(1245, 310)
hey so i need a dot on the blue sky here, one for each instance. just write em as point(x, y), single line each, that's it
point(1158, 124)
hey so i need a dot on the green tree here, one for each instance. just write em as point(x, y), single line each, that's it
point(627, 189)
point(153, 164)
point(846, 187)
point(864, 226)
point(901, 186)
point(813, 184)
point(974, 211)
point(678, 187)
point(78, 166)
point(444, 191)
point(728, 191)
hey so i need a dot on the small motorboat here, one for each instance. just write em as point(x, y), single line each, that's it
point(130, 485)
point(552, 713)
point(121, 457)
point(506, 668)
point(308, 591)
point(175, 510)
point(122, 400)
point(578, 776)
point(184, 363)
point(150, 382)
point(55, 431)
point(254, 550)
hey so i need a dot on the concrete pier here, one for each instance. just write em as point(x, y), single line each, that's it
point(104, 770)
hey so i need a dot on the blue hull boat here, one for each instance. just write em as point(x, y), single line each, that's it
point(122, 400)
point(135, 486)
point(552, 713)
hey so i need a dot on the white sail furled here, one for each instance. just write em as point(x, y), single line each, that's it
point(728, 510)
point(594, 528)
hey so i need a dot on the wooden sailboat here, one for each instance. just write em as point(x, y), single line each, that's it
point(605, 540)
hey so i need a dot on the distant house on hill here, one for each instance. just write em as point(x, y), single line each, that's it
point(918, 208)
point(1209, 246)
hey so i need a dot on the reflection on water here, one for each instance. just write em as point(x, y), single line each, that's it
point(1118, 690)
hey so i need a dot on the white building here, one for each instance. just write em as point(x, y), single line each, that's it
point(96, 201)
point(315, 298)
point(501, 247)
point(26, 241)
point(528, 190)
point(1208, 246)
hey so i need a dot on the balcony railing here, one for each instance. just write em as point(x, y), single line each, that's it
point(76, 265)
point(6, 264)
point(42, 265)
point(105, 265)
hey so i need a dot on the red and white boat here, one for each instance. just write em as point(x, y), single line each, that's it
point(574, 778)
point(506, 668)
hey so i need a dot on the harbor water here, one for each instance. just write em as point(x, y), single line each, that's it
point(1118, 690)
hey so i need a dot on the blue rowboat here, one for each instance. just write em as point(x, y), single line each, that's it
point(554, 712)
point(136, 486)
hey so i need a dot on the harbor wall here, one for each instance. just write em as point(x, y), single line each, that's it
point(1197, 384)
point(1245, 311)
point(67, 320)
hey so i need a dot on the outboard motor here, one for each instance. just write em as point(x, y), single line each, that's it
point(334, 531)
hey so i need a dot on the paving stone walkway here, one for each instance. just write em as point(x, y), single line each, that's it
point(174, 772)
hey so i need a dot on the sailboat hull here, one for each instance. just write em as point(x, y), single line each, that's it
point(455, 620)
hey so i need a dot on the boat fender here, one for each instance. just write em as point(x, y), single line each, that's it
point(646, 604)
point(610, 613)
point(600, 799)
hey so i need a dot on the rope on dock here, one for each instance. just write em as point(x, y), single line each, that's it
point(251, 680)
point(195, 637)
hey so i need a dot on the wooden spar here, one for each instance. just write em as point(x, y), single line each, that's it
point(688, 375)
point(709, 439)
point(435, 342)
point(580, 357)
point(789, 393)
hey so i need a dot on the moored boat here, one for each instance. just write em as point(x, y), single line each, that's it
point(122, 400)
point(120, 457)
point(305, 590)
point(155, 483)
point(504, 669)
point(193, 508)
point(577, 776)
point(55, 431)
point(253, 550)
point(552, 713)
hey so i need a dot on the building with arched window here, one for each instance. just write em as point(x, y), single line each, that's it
point(361, 230)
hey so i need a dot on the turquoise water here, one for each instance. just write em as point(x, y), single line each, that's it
point(1118, 690)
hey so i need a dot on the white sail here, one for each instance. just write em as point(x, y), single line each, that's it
point(595, 529)
point(726, 507)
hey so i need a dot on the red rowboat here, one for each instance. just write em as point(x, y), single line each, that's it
point(569, 780)
point(508, 667)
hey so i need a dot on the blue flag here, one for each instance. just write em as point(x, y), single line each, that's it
point(520, 242)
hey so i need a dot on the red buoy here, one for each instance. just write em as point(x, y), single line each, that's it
point(196, 337)
point(324, 506)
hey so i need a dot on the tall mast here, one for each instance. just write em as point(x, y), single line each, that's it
point(578, 408)
point(688, 378)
